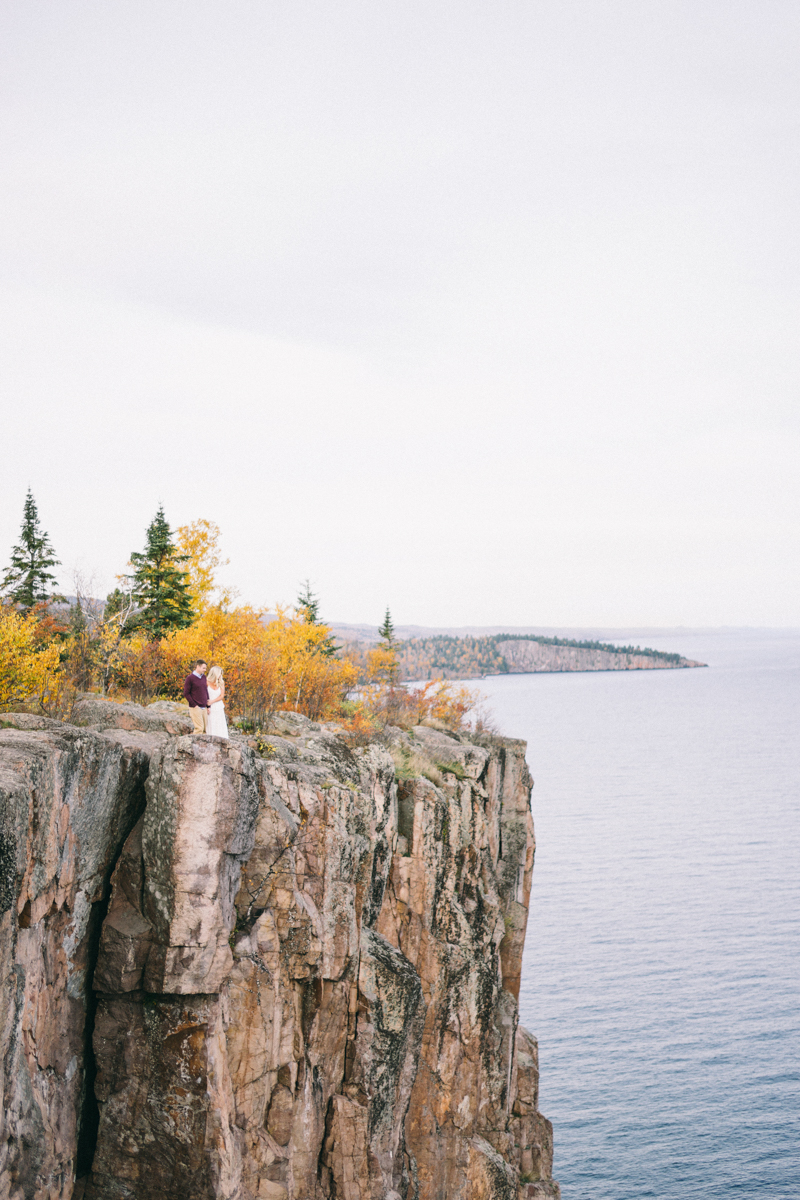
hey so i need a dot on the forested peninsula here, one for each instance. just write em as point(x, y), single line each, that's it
point(444, 656)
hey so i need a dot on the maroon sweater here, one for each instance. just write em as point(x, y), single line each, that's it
point(195, 689)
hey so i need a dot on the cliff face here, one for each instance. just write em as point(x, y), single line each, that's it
point(525, 657)
point(299, 973)
point(67, 799)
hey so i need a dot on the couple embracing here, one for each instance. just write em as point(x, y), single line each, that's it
point(206, 699)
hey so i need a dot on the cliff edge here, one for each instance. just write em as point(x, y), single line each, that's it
point(263, 970)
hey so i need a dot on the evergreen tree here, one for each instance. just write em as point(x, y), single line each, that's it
point(308, 604)
point(386, 630)
point(28, 580)
point(158, 584)
point(308, 608)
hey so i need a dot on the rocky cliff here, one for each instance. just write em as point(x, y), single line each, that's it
point(274, 969)
point(525, 657)
point(445, 657)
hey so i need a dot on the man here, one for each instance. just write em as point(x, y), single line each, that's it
point(195, 689)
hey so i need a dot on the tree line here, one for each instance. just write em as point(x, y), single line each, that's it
point(169, 609)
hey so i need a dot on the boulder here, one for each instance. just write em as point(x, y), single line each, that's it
point(161, 717)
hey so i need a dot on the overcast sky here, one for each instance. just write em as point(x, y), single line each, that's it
point(485, 311)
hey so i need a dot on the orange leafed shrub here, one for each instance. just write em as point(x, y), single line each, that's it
point(382, 701)
point(360, 725)
point(444, 702)
point(435, 700)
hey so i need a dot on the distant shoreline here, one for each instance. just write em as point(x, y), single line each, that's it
point(450, 656)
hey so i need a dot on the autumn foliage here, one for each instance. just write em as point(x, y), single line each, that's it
point(29, 663)
point(287, 660)
point(383, 702)
point(269, 664)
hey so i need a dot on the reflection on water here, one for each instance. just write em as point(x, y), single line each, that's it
point(661, 972)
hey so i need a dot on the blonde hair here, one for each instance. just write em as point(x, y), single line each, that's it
point(215, 676)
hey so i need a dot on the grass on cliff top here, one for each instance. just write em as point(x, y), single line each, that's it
point(411, 764)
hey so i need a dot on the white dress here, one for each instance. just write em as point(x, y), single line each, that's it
point(217, 724)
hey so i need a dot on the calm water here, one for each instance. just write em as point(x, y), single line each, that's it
point(661, 973)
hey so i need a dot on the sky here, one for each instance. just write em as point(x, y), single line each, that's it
point(485, 312)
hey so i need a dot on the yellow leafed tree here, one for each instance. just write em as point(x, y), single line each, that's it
point(199, 541)
point(25, 665)
point(310, 680)
point(383, 665)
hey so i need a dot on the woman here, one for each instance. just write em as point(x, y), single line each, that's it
point(217, 724)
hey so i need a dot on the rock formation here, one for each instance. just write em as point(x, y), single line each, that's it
point(446, 657)
point(68, 798)
point(264, 969)
point(527, 657)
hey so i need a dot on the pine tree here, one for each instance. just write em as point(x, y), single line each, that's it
point(386, 630)
point(28, 580)
point(158, 584)
point(308, 608)
point(308, 604)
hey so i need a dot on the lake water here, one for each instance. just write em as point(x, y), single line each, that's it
point(661, 972)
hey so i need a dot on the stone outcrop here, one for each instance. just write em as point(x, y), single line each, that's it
point(525, 657)
point(163, 716)
point(305, 963)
